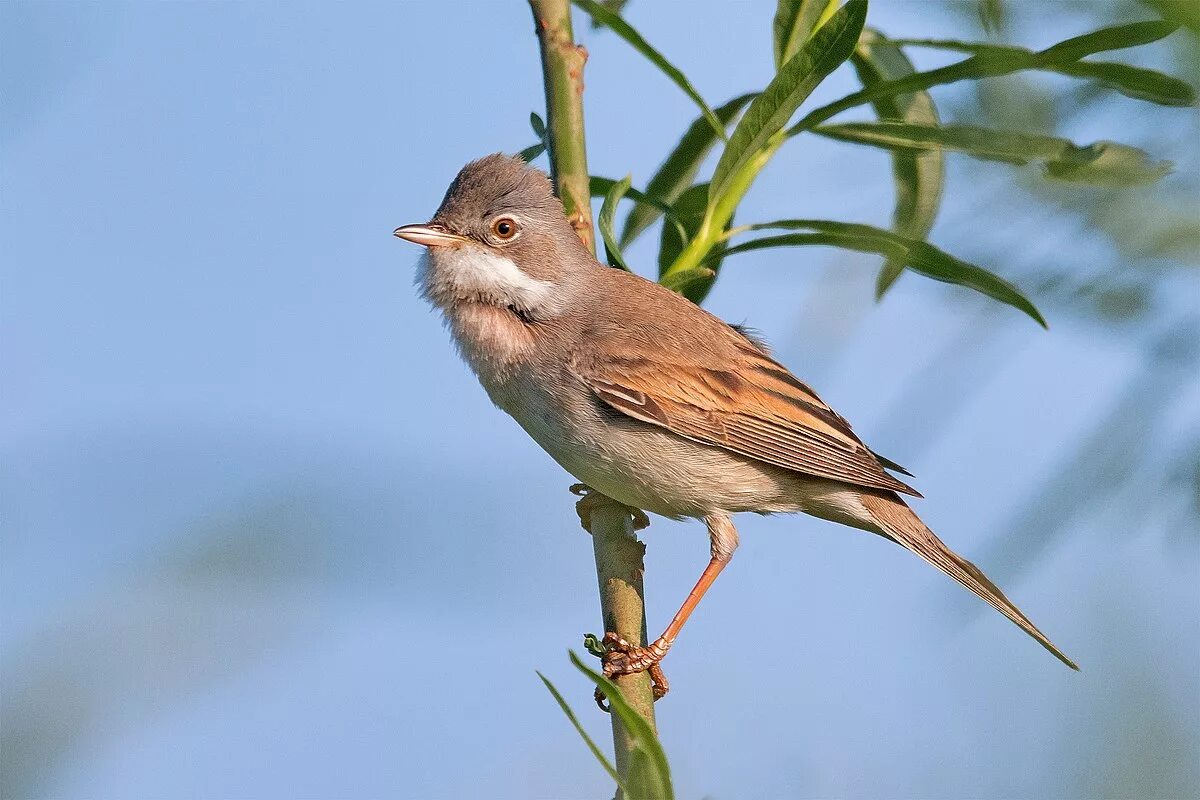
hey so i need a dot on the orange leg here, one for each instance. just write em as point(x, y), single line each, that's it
point(623, 658)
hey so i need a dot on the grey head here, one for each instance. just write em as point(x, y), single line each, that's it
point(500, 237)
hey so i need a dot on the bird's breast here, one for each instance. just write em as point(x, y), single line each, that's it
point(634, 462)
point(493, 340)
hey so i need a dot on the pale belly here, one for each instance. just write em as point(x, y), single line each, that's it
point(637, 463)
point(641, 465)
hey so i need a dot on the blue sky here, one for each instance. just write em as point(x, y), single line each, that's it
point(265, 536)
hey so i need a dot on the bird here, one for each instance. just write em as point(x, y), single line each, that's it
point(644, 396)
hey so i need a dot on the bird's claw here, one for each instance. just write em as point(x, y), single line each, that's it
point(589, 499)
point(623, 658)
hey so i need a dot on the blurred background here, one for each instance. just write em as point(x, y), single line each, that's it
point(263, 536)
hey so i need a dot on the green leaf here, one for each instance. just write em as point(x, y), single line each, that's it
point(1101, 163)
point(1135, 82)
point(690, 282)
point(1106, 164)
point(608, 210)
point(680, 167)
point(919, 177)
point(532, 152)
point(539, 130)
point(539, 127)
point(615, 6)
point(623, 29)
point(591, 744)
point(600, 186)
point(694, 284)
point(769, 113)
point(689, 210)
point(993, 63)
point(593, 644)
point(795, 22)
point(648, 776)
point(1117, 37)
point(920, 257)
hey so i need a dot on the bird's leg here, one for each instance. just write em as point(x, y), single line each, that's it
point(623, 658)
point(590, 498)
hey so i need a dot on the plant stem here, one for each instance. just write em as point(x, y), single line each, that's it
point(562, 73)
point(619, 569)
point(619, 554)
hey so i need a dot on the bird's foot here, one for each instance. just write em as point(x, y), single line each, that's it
point(590, 499)
point(623, 658)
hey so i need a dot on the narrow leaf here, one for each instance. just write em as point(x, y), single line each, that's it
point(608, 210)
point(1106, 164)
point(648, 776)
point(795, 22)
point(1101, 163)
point(1117, 37)
point(920, 257)
point(689, 210)
point(690, 282)
point(919, 177)
point(680, 167)
point(694, 284)
point(596, 751)
point(539, 130)
point(600, 186)
point(769, 113)
point(1135, 82)
point(623, 29)
point(993, 63)
point(532, 152)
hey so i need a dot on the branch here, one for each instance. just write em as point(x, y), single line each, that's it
point(619, 564)
point(562, 72)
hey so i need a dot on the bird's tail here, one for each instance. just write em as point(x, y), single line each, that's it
point(905, 528)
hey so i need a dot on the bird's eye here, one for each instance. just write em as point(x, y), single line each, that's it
point(504, 228)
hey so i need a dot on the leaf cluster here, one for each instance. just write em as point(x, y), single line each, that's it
point(811, 39)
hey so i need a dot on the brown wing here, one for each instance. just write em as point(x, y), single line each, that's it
point(749, 404)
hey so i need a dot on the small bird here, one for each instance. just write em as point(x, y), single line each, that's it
point(644, 396)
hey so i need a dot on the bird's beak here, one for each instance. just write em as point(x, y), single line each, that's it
point(429, 235)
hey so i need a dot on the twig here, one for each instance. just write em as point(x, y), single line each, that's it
point(619, 564)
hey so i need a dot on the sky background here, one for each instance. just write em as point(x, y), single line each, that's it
point(263, 535)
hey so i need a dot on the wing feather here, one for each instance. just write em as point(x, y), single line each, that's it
point(754, 407)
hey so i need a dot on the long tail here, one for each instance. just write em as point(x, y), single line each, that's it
point(905, 528)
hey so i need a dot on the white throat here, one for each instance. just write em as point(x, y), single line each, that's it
point(473, 274)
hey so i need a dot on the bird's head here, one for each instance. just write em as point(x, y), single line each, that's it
point(499, 237)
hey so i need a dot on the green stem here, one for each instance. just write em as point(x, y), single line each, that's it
point(716, 217)
point(562, 72)
point(619, 554)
